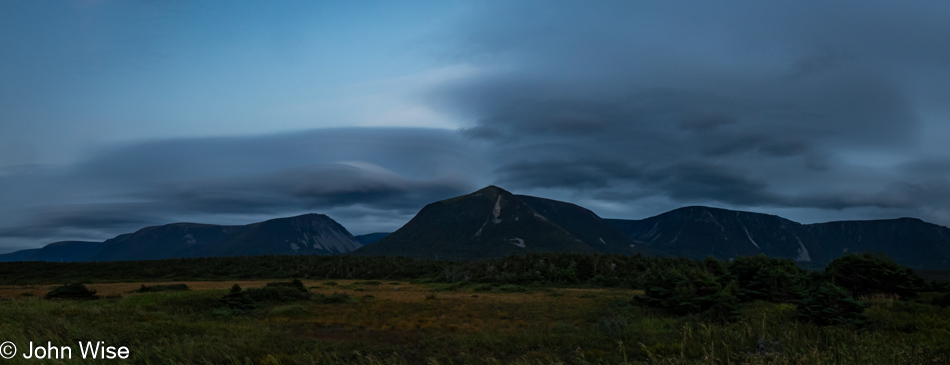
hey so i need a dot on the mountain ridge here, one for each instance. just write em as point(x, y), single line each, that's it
point(726, 234)
point(304, 234)
point(493, 222)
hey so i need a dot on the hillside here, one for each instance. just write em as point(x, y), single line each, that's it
point(492, 222)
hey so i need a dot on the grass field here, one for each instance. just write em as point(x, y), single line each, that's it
point(397, 322)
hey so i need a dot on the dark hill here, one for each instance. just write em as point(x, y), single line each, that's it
point(306, 234)
point(20, 255)
point(64, 251)
point(697, 232)
point(909, 241)
point(492, 222)
point(369, 238)
point(585, 225)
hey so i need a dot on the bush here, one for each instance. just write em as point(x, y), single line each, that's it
point(254, 297)
point(688, 290)
point(509, 288)
point(770, 279)
point(159, 288)
point(725, 305)
point(937, 286)
point(866, 274)
point(604, 281)
point(828, 304)
point(72, 291)
point(942, 300)
point(714, 267)
point(294, 284)
point(333, 298)
point(482, 287)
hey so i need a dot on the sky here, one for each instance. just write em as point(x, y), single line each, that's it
point(116, 115)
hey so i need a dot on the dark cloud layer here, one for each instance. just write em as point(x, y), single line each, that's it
point(748, 105)
point(353, 173)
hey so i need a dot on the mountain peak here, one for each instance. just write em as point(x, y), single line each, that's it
point(493, 222)
point(302, 217)
point(491, 190)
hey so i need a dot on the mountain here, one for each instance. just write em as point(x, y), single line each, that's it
point(493, 222)
point(909, 241)
point(697, 232)
point(305, 234)
point(583, 224)
point(20, 255)
point(64, 251)
point(368, 238)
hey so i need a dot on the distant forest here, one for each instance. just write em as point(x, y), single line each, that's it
point(601, 270)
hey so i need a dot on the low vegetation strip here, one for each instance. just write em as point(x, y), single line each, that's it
point(560, 269)
point(555, 308)
point(468, 324)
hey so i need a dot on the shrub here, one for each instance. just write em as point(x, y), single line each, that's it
point(828, 304)
point(938, 286)
point(236, 299)
point(252, 298)
point(683, 291)
point(482, 287)
point(770, 279)
point(604, 281)
point(278, 294)
point(159, 288)
point(333, 298)
point(725, 305)
point(72, 291)
point(509, 288)
point(294, 284)
point(714, 267)
point(866, 274)
point(942, 300)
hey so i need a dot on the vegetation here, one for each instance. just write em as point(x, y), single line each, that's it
point(158, 288)
point(828, 304)
point(276, 292)
point(866, 274)
point(770, 279)
point(72, 291)
point(537, 309)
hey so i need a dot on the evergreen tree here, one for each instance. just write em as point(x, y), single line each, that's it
point(866, 274)
point(770, 279)
point(828, 304)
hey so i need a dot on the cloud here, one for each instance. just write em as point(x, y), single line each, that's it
point(811, 109)
point(347, 172)
point(754, 106)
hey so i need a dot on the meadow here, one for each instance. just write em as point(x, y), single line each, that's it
point(549, 309)
point(398, 322)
